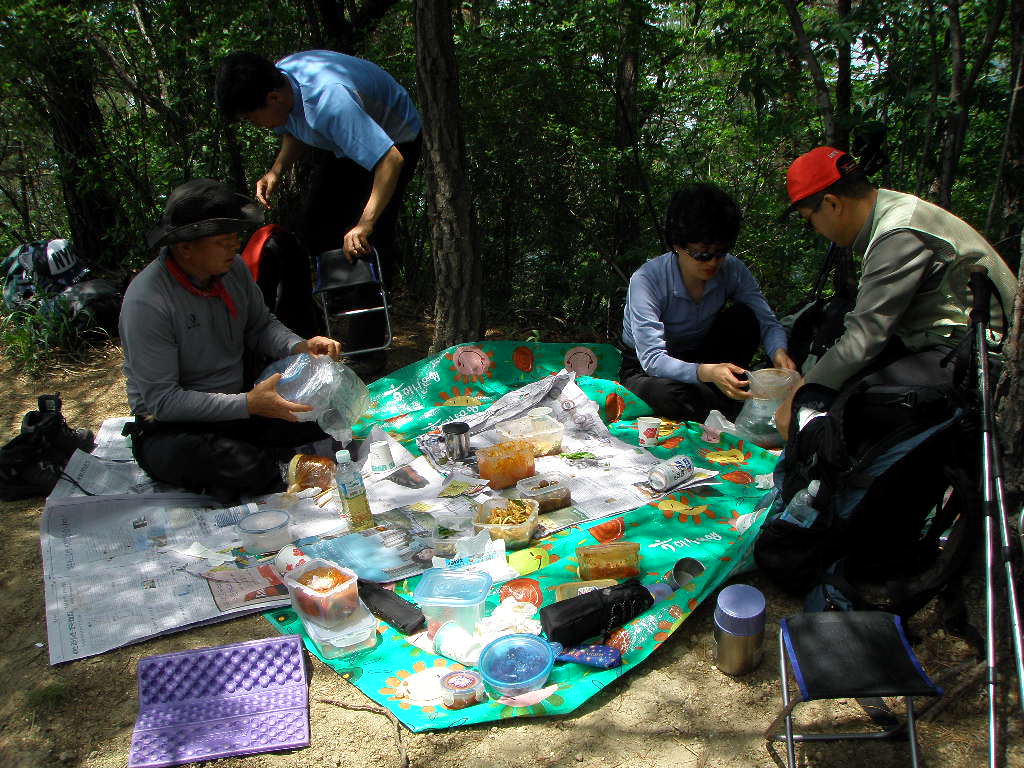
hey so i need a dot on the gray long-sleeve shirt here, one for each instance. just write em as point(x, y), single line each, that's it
point(890, 280)
point(183, 353)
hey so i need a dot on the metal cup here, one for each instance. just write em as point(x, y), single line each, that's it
point(456, 440)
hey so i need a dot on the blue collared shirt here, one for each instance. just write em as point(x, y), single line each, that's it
point(348, 106)
point(659, 309)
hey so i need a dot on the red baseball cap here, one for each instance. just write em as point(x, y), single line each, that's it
point(816, 170)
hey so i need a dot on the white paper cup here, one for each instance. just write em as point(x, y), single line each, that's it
point(648, 426)
point(289, 558)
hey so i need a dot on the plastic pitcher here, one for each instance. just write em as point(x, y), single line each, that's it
point(756, 421)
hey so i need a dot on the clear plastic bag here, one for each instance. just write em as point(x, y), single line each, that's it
point(337, 395)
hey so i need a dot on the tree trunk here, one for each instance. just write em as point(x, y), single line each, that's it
point(457, 269)
point(76, 123)
point(821, 89)
point(961, 91)
point(626, 193)
point(841, 137)
point(1010, 400)
point(1010, 182)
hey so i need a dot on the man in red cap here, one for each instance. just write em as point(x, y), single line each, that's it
point(912, 303)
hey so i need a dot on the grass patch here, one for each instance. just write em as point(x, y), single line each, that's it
point(35, 335)
point(49, 696)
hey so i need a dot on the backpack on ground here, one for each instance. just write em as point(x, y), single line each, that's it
point(896, 512)
point(46, 277)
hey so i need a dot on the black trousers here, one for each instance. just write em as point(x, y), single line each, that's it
point(334, 201)
point(733, 338)
point(223, 459)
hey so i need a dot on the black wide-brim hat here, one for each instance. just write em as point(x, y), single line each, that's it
point(201, 208)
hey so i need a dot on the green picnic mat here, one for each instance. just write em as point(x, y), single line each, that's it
point(715, 524)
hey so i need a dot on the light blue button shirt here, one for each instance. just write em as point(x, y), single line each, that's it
point(347, 106)
point(659, 309)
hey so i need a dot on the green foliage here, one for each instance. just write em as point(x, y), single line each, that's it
point(39, 333)
point(570, 166)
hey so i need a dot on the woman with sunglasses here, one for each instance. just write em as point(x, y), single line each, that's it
point(695, 316)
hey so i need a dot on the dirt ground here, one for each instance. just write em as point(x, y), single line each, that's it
point(675, 710)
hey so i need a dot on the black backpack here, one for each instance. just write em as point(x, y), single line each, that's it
point(897, 508)
point(46, 277)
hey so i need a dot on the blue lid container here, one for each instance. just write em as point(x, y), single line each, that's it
point(440, 586)
point(740, 610)
point(516, 664)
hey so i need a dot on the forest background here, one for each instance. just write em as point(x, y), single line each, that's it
point(555, 133)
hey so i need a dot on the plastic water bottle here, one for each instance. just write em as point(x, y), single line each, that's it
point(800, 510)
point(353, 492)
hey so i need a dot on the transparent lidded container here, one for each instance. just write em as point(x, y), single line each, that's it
point(516, 664)
point(449, 530)
point(618, 560)
point(356, 633)
point(323, 592)
point(444, 595)
point(549, 489)
point(539, 427)
point(504, 464)
point(515, 535)
point(462, 688)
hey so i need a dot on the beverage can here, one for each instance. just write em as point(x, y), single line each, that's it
point(671, 473)
point(381, 459)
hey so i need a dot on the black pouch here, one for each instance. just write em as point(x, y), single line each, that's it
point(404, 616)
point(572, 621)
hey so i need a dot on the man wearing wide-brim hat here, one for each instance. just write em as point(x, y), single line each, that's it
point(186, 323)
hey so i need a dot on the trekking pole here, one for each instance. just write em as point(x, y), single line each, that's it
point(993, 502)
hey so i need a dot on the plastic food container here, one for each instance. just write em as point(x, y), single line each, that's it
point(516, 664)
point(323, 592)
point(457, 596)
point(550, 490)
point(577, 588)
point(449, 531)
point(539, 428)
point(356, 633)
point(515, 535)
point(267, 530)
point(618, 560)
point(462, 689)
point(504, 464)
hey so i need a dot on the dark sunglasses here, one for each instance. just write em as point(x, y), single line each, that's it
point(704, 257)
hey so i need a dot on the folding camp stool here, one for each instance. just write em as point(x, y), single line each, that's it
point(340, 284)
point(848, 654)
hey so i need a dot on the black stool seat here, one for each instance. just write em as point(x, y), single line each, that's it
point(853, 654)
point(848, 655)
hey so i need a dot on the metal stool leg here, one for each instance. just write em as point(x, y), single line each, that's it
point(784, 674)
point(911, 731)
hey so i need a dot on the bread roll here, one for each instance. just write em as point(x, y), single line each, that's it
point(305, 471)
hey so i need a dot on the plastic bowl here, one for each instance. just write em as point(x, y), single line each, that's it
point(267, 530)
point(515, 535)
point(516, 664)
point(772, 383)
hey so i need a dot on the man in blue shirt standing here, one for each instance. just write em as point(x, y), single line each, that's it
point(686, 351)
point(363, 119)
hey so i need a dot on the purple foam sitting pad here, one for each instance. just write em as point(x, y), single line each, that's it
point(236, 699)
